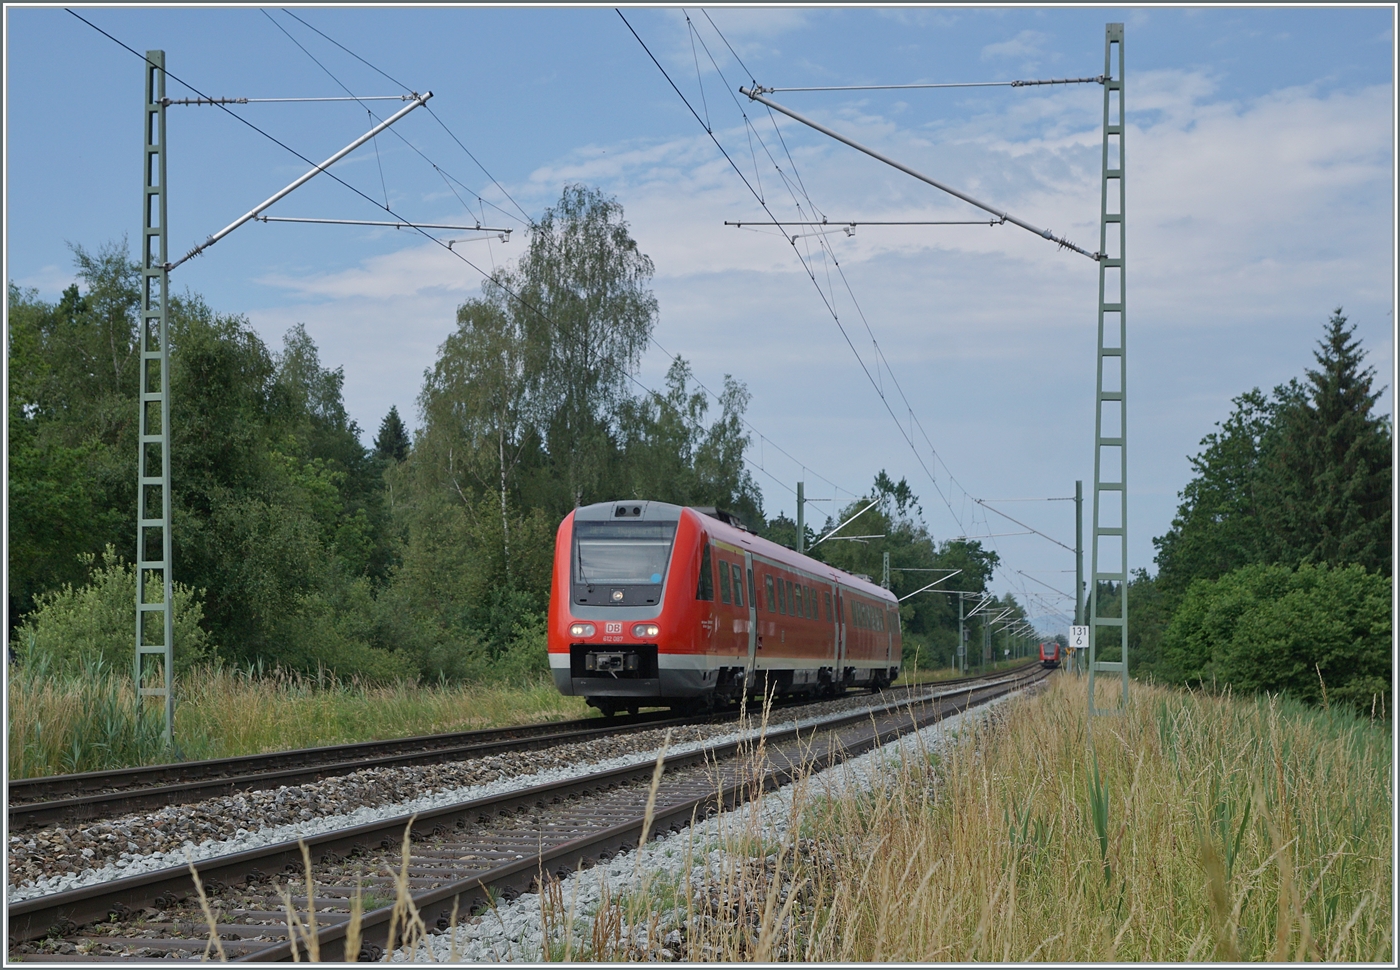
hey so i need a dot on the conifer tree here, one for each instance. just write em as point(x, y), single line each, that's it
point(1331, 472)
point(391, 444)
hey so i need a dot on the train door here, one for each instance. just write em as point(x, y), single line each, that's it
point(840, 631)
point(889, 636)
point(753, 616)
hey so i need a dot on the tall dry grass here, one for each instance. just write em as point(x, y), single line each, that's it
point(1192, 828)
point(88, 720)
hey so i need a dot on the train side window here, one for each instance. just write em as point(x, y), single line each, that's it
point(768, 585)
point(753, 601)
point(799, 603)
point(789, 598)
point(724, 580)
point(811, 603)
point(782, 600)
point(828, 607)
point(738, 585)
point(705, 588)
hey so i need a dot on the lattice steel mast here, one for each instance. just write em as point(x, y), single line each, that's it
point(1111, 400)
point(155, 620)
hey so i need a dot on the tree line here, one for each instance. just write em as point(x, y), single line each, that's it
point(424, 555)
point(1275, 574)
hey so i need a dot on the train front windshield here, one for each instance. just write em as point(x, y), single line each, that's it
point(622, 553)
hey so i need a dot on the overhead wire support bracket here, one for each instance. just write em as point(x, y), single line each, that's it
point(840, 224)
point(252, 214)
point(372, 222)
point(846, 523)
point(216, 101)
point(983, 503)
point(921, 589)
point(951, 84)
point(754, 95)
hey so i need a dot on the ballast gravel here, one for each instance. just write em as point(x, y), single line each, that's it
point(61, 858)
point(513, 931)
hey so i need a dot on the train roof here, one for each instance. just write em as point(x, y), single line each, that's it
point(728, 528)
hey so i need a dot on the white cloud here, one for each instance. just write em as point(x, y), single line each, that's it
point(1247, 222)
point(1026, 44)
point(48, 280)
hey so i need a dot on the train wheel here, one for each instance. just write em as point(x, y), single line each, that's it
point(634, 709)
point(606, 708)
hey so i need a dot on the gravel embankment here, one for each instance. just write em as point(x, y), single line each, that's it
point(512, 931)
point(60, 858)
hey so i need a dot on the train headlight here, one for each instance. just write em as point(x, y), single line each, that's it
point(646, 630)
point(582, 630)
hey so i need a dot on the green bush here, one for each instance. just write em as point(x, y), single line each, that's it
point(1300, 632)
point(76, 626)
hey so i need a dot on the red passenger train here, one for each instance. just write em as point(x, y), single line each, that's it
point(660, 605)
point(1050, 654)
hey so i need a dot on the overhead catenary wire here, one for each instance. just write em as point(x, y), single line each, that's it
point(1061, 241)
point(404, 222)
point(1045, 584)
point(445, 175)
point(1023, 525)
point(914, 421)
point(529, 220)
point(758, 196)
point(827, 251)
point(447, 178)
point(841, 223)
point(433, 114)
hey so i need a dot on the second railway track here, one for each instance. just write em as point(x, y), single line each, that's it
point(66, 799)
point(462, 854)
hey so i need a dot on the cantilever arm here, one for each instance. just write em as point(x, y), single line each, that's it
point(418, 102)
point(755, 95)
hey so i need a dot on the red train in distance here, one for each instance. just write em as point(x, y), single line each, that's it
point(1050, 654)
point(658, 605)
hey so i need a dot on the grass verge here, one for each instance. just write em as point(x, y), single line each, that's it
point(89, 720)
point(1192, 828)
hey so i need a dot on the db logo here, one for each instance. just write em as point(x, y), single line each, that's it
point(612, 627)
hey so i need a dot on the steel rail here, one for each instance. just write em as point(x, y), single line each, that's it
point(63, 912)
point(474, 893)
point(36, 802)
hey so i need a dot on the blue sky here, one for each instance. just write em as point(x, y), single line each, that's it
point(1260, 173)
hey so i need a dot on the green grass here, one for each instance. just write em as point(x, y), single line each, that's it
point(89, 720)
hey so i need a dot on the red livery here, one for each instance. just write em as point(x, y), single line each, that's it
point(1050, 654)
point(660, 605)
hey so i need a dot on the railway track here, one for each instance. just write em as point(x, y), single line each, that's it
point(461, 855)
point(67, 799)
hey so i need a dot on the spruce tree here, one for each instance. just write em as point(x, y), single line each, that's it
point(1331, 473)
point(391, 444)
